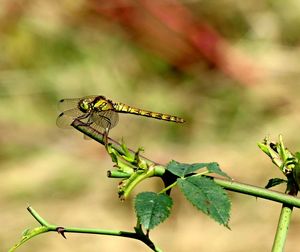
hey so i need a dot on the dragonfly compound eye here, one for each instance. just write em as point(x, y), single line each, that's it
point(84, 106)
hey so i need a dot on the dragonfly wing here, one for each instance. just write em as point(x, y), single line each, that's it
point(65, 118)
point(93, 125)
point(67, 104)
point(105, 119)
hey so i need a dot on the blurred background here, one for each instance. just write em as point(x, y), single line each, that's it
point(230, 68)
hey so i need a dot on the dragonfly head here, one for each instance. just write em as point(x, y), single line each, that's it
point(85, 105)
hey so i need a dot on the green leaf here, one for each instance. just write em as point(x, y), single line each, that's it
point(207, 196)
point(215, 168)
point(182, 169)
point(274, 182)
point(152, 208)
point(264, 147)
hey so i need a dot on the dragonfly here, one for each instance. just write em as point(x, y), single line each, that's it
point(102, 113)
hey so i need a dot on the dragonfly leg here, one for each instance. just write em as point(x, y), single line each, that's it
point(83, 117)
point(106, 137)
point(106, 131)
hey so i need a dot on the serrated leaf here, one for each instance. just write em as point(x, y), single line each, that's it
point(274, 182)
point(214, 167)
point(182, 169)
point(152, 208)
point(207, 196)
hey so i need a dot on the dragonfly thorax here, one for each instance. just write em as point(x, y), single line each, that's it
point(102, 104)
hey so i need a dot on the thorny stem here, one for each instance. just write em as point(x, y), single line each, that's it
point(62, 230)
point(240, 188)
point(227, 184)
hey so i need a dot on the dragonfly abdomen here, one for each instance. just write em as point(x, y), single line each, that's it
point(123, 108)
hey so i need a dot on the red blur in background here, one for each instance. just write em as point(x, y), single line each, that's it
point(170, 30)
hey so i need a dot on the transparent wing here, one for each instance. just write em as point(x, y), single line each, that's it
point(104, 119)
point(65, 118)
point(93, 125)
point(66, 104)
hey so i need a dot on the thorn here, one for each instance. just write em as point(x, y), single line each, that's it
point(61, 231)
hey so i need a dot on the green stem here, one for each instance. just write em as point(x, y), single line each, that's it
point(46, 227)
point(285, 216)
point(282, 228)
point(135, 180)
point(258, 192)
point(37, 217)
point(229, 185)
point(168, 187)
point(244, 189)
